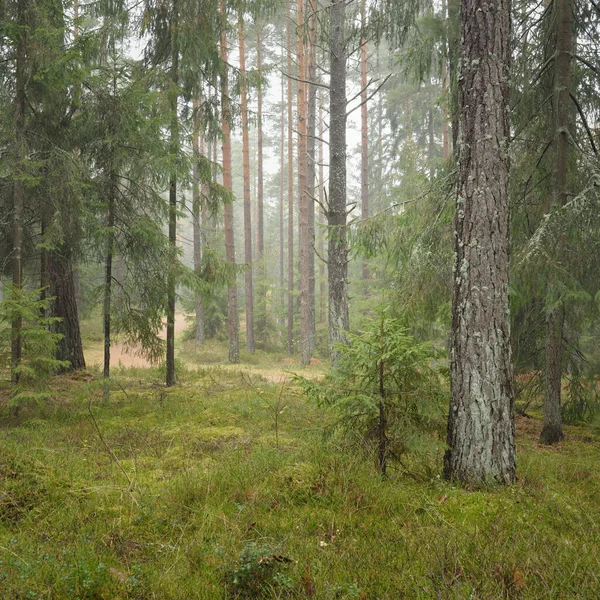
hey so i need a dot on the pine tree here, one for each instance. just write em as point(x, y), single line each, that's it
point(232, 311)
point(337, 255)
point(480, 424)
point(198, 221)
point(249, 283)
point(561, 108)
point(290, 236)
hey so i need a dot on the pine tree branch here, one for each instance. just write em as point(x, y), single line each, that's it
point(294, 78)
point(587, 63)
point(370, 96)
point(585, 123)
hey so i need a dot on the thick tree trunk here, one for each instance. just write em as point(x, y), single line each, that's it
point(481, 446)
point(232, 312)
point(364, 130)
point(64, 306)
point(198, 148)
point(171, 292)
point(339, 319)
point(290, 311)
point(303, 237)
point(248, 279)
point(552, 430)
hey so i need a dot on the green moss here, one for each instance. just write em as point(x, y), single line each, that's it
point(207, 475)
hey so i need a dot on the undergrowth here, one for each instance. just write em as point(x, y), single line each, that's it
point(224, 487)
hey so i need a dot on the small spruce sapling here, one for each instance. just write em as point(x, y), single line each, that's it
point(383, 388)
point(39, 343)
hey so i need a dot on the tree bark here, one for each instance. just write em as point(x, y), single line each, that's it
point(364, 130)
point(281, 202)
point(322, 261)
point(19, 185)
point(232, 312)
point(303, 237)
point(444, 103)
point(108, 277)
point(481, 446)
point(290, 311)
point(453, 68)
point(64, 306)
point(249, 284)
point(261, 324)
point(311, 119)
point(339, 319)
point(198, 149)
point(552, 429)
point(174, 126)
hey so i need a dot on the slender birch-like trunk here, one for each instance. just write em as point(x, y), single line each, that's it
point(198, 149)
point(311, 126)
point(248, 279)
point(364, 129)
point(232, 311)
point(171, 293)
point(552, 429)
point(290, 311)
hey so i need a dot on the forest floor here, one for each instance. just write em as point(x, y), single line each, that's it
point(227, 486)
point(271, 367)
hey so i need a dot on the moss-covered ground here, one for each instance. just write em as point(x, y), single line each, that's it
point(224, 486)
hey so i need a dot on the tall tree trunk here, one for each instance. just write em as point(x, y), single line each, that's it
point(339, 319)
point(64, 306)
point(481, 446)
point(379, 175)
point(290, 311)
point(431, 143)
point(444, 104)
point(250, 346)
point(76, 152)
point(198, 148)
point(232, 311)
point(322, 263)
point(281, 202)
point(303, 218)
point(552, 429)
point(174, 126)
point(453, 67)
point(364, 129)
point(19, 185)
point(311, 120)
point(260, 236)
point(108, 277)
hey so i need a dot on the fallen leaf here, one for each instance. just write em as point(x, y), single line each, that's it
point(518, 582)
point(443, 499)
point(307, 581)
point(122, 577)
